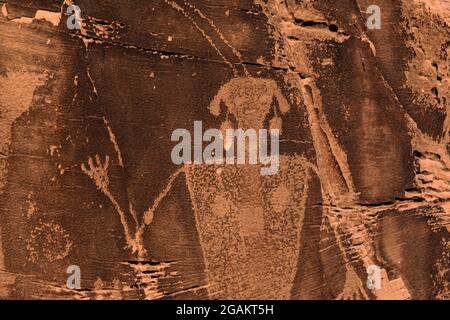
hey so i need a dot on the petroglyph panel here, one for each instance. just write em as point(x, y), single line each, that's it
point(348, 102)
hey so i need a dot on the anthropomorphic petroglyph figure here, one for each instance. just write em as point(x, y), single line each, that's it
point(250, 224)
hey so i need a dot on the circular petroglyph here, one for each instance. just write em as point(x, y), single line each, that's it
point(48, 242)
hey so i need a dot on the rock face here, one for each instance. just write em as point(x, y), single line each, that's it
point(358, 209)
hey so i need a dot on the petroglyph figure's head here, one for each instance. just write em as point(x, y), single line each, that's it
point(247, 102)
